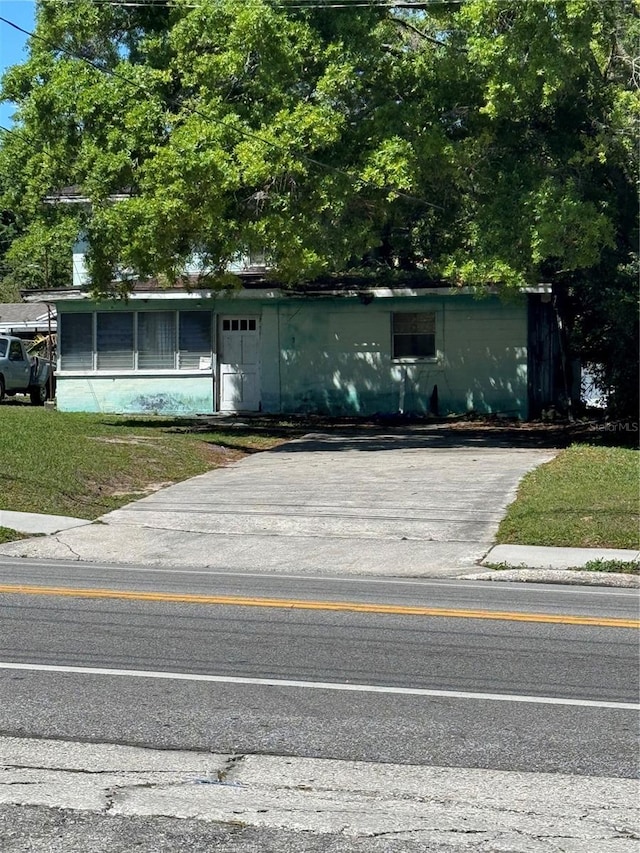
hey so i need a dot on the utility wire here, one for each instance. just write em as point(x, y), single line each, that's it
point(294, 4)
point(194, 111)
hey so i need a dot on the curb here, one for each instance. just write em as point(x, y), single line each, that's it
point(558, 576)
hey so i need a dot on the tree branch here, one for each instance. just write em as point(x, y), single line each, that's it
point(424, 35)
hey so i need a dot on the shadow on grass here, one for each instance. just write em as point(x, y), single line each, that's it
point(263, 425)
point(389, 432)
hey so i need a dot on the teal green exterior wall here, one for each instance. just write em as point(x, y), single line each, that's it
point(336, 357)
point(333, 355)
point(128, 392)
point(149, 395)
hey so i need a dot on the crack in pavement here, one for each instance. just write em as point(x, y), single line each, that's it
point(75, 770)
point(232, 762)
point(464, 808)
point(66, 545)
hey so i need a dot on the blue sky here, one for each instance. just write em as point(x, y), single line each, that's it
point(12, 43)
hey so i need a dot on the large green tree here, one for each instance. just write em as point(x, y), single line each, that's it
point(551, 160)
point(234, 126)
point(479, 141)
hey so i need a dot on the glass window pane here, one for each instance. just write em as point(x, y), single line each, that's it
point(156, 340)
point(16, 352)
point(3, 347)
point(75, 340)
point(414, 346)
point(114, 341)
point(414, 335)
point(195, 338)
point(415, 323)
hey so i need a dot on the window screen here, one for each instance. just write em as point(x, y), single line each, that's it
point(156, 340)
point(194, 338)
point(114, 341)
point(75, 339)
point(414, 335)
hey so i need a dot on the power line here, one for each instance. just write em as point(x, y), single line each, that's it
point(294, 4)
point(194, 111)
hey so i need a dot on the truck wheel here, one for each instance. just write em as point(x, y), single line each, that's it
point(38, 395)
point(1, 387)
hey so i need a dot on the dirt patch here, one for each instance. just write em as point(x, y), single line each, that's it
point(145, 490)
point(217, 456)
point(134, 439)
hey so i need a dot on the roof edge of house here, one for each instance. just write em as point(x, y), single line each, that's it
point(264, 292)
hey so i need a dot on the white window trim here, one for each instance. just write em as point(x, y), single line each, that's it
point(115, 374)
point(176, 370)
point(416, 359)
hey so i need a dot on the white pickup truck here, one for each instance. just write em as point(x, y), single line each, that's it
point(21, 373)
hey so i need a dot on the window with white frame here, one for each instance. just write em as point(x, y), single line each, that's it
point(194, 339)
point(414, 334)
point(114, 340)
point(142, 340)
point(156, 340)
point(76, 331)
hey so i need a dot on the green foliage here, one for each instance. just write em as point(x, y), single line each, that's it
point(8, 233)
point(631, 567)
point(604, 309)
point(463, 138)
point(8, 535)
point(488, 142)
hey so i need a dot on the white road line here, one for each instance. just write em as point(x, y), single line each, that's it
point(320, 685)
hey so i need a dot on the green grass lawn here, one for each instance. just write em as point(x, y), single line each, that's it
point(85, 465)
point(7, 535)
point(586, 497)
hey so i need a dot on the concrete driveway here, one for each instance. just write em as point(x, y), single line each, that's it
point(420, 502)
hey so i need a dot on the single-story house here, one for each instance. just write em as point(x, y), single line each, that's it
point(337, 348)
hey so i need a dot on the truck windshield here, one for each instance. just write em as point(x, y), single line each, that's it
point(3, 347)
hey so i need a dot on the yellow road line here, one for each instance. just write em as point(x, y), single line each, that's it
point(301, 604)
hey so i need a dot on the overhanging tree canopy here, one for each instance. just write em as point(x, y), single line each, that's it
point(487, 141)
point(482, 141)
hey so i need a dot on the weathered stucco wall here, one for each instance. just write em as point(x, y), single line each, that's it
point(334, 355)
point(177, 395)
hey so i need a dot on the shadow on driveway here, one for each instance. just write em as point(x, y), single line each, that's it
point(426, 438)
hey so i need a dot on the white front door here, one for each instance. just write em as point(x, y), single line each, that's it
point(239, 365)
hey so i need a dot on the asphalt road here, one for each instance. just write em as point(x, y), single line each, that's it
point(27, 830)
point(546, 598)
point(305, 682)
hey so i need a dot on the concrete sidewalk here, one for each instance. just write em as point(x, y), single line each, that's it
point(522, 563)
point(38, 523)
point(401, 503)
point(539, 557)
point(329, 800)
